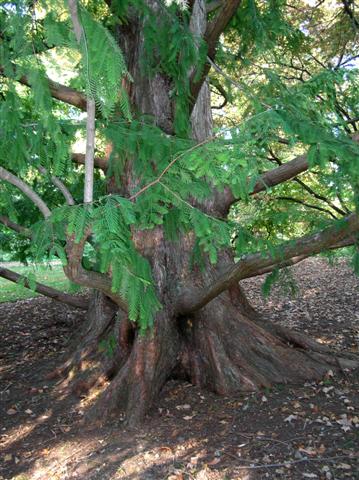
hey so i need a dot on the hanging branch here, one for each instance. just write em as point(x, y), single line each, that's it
point(90, 151)
point(57, 295)
point(91, 112)
point(28, 191)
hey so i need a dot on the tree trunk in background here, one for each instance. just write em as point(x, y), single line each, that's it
point(225, 346)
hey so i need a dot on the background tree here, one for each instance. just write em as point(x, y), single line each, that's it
point(152, 230)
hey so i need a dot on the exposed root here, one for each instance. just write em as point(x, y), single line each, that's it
point(227, 352)
point(142, 376)
point(100, 348)
point(223, 348)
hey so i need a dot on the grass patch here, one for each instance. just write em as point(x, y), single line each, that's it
point(51, 275)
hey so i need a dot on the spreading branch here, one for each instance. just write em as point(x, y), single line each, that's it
point(273, 177)
point(87, 278)
point(320, 197)
point(60, 185)
point(28, 191)
point(220, 91)
point(14, 226)
point(348, 242)
point(99, 162)
point(305, 204)
point(214, 5)
point(211, 37)
point(253, 264)
point(60, 92)
point(57, 295)
point(312, 192)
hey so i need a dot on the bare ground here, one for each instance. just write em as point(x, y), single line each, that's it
point(288, 432)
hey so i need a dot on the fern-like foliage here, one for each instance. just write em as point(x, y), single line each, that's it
point(104, 67)
point(110, 221)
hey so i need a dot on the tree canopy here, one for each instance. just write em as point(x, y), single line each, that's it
point(282, 158)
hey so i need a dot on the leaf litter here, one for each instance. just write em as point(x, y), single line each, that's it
point(287, 432)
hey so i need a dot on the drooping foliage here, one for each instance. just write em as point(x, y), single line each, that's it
point(287, 97)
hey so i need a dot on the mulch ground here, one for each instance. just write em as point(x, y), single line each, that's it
point(308, 431)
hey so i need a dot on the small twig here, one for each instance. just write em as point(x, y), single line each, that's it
point(293, 462)
point(264, 439)
point(236, 84)
point(170, 165)
point(26, 190)
point(60, 185)
point(6, 388)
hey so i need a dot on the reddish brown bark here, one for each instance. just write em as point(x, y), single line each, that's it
point(225, 346)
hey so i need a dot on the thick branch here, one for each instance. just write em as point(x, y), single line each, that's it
point(33, 196)
point(99, 162)
point(72, 300)
point(273, 177)
point(348, 242)
point(58, 91)
point(14, 226)
point(251, 264)
point(90, 279)
point(217, 26)
point(211, 37)
point(281, 174)
point(59, 184)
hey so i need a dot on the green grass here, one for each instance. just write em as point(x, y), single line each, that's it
point(52, 275)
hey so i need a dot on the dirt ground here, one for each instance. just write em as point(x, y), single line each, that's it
point(308, 431)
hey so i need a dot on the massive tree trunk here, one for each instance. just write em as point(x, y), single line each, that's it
point(223, 346)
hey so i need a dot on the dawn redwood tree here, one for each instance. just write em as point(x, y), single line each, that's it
point(143, 217)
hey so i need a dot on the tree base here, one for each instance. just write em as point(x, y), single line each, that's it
point(225, 347)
